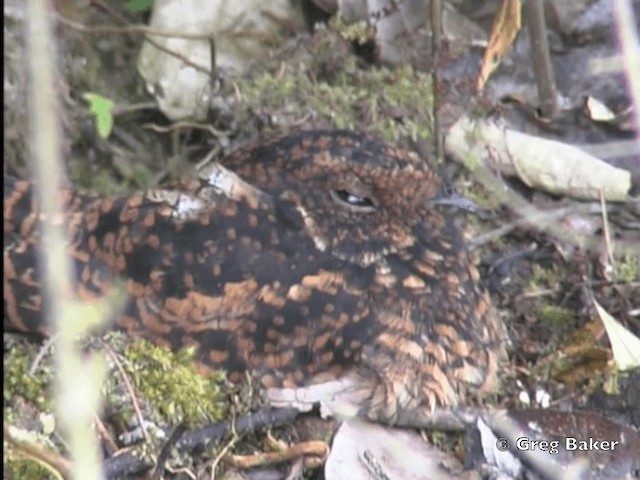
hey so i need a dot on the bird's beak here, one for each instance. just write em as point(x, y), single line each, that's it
point(449, 196)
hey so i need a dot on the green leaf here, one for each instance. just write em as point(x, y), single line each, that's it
point(101, 107)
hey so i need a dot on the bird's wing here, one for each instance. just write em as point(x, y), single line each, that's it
point(218, 265)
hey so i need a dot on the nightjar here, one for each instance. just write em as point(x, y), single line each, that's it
point(313, 257)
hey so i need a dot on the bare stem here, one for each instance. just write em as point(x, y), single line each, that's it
point(78, 387)
point(542, 68)
point(436, 47)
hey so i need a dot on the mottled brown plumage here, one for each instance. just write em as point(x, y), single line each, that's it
point(321, 255)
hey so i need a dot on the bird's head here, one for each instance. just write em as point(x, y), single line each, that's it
point(358, 198)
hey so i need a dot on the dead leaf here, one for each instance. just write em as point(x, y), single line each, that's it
point(366, 451)
point(547, 165)
point(624, 344)
point(504, 31)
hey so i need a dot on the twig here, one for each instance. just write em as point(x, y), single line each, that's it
point(436, 47)
point(541, 58)
point(143, 30)
point(316, 448)
point(534, 217)
point(130, 390)
point(606, 230)
point(107, 440)
point(42, 352)
point(166, 451)
point(129, 463)
point(129, 29)
point(229, 445)
point(51, 460)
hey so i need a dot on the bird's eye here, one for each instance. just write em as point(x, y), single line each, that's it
point(353, 200)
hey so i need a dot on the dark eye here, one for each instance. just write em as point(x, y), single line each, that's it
point(353, 200)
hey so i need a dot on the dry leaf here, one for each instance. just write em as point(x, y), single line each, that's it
point(505, 29)
point(547, 165)
point(366, 451)
point(624, 344)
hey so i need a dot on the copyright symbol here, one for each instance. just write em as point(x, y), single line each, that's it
point(502, 444)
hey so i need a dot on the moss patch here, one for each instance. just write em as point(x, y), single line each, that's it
point(168, 388)
point(556, 318)
point(19, 382)
point(320, 84)
point(629, 270)
point(170, 383)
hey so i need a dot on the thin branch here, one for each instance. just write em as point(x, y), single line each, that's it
point(436, 47)
point(129, 463)
point(626, 18)
point(541, 58)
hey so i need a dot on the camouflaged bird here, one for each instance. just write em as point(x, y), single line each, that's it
point(313, 257)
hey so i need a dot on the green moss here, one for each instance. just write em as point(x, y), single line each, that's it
point(170, 383)
point(629, 270)
point(26, 469)
point(331, 88)
point(556, 318)
point(360, 32)
point(168, 388)
point(18, 382)
point(611, 384)
point(471, 163)
point(547, 278)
